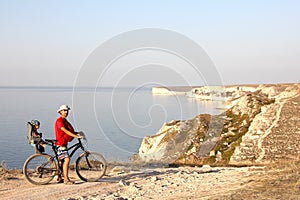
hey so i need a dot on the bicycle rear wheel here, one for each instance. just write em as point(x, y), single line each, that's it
point(39, 169)
point(90, 166)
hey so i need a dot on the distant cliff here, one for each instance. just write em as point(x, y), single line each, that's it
point(170, 90)
point(260, 125)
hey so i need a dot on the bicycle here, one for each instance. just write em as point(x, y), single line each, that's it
point(41, 168)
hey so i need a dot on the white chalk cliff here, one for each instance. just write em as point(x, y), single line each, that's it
point(260, 125)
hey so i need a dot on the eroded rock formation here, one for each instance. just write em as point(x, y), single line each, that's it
point(260, 125)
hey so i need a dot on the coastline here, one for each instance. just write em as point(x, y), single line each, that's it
point(276, 177)
point(246, 133)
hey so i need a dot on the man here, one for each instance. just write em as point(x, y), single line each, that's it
point(64, 133)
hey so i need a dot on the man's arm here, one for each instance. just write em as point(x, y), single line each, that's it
point(70, 133)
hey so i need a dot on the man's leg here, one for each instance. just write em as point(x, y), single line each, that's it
point(59, 176)
point(66, 169)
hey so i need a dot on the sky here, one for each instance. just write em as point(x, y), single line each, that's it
point(46, 43)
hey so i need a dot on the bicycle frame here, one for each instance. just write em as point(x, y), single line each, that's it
point(75, 147)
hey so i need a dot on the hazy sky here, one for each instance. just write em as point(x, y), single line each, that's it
point(46, 42)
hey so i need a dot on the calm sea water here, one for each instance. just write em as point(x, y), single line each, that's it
point(115, 127)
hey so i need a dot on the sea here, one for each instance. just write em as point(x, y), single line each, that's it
point(114, 120)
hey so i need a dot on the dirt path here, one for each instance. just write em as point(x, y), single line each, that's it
point(18, 188)
point(157, 183)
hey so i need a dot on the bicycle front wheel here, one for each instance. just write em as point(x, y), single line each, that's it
point(90, 166)
point(39, 169)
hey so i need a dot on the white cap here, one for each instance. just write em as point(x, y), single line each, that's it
point(63, 107)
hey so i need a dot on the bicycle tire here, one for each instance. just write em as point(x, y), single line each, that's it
point(39, 169)
point(90, 166)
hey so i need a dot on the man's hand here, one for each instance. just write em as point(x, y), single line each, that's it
point(79, 136)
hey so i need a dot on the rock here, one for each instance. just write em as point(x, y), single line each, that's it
point(123, 183)
point(212, 153)
point(244, 133)
point(154, 178)
point(118, 170)
point(219, 156)
point(206, 168)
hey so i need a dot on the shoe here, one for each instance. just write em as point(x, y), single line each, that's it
point(69, 182)
point(60, 180)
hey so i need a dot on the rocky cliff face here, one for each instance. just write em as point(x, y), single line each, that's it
point(260, 125)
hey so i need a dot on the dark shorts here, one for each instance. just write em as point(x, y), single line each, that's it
point(62, 152)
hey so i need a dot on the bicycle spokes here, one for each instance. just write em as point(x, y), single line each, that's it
point(39, 169)
point(90, 166)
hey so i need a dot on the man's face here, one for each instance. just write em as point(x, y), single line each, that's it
point(64, 113)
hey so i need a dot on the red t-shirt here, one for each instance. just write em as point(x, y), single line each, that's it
point(61, 137)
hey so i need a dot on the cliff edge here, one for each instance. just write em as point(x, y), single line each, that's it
point(259, 126)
